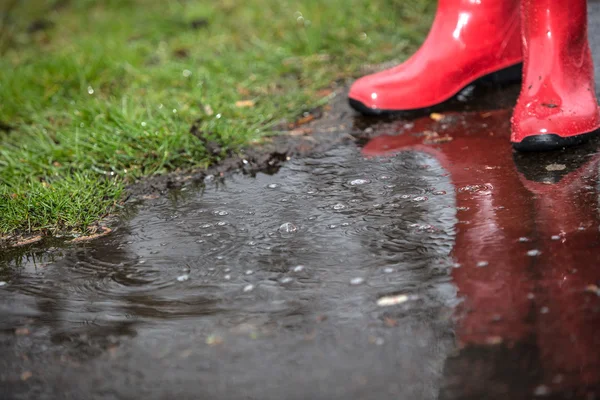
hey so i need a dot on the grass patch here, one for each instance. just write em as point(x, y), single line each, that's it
point(96, 94)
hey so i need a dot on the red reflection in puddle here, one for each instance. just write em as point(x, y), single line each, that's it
point(529, 252)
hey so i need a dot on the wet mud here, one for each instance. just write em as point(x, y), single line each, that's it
point(412, 257)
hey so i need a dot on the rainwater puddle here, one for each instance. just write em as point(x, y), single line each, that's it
point(408, 268)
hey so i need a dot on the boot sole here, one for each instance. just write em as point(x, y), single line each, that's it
point(551, 141)
point(512, 74)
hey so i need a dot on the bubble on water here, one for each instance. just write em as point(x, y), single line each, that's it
point(206, 226)
point(357, 281)
point(388, 270)
point(249, 272)
point(439, 192)
point(248, 288)
point(3, 283)
point(332, 226)
point(227, 277)
point(524, 239)
point(285, 280)
point(222, 223)
point(345, 224)
point(339, 206)
point(287, 228)
point(90, 90)
point(358, 182)
point(555, 237)
point(221, 213)
point(312, 191)
point(534, 253)
point(227, 270)
point(272, 185)
point(482, 264)
point(420, 199)
point(200, 241)
point(298, 268)
point(183, 278)
point(384, 177)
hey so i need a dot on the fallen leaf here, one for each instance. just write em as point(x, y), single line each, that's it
point(105, 231)
point(26, 375)
point(244, 103)
point(436, 116)
point(24, 242)
point(21, 331)
point(300, 132)
point(214, 340)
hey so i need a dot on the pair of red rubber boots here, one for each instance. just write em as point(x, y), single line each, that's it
point(472, 39)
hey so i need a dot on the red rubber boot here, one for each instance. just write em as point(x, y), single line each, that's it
point(557, 106)
point(469, 39)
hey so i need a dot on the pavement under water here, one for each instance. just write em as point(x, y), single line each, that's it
point(426, 261)
point(423, 260)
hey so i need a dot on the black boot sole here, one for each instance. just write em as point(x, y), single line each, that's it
point(551, 141)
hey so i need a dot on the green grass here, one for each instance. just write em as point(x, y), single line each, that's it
point(107, 91)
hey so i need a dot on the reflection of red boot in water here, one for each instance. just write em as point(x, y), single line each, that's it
point(469, 39)
point(567, 306)
point(528, 252)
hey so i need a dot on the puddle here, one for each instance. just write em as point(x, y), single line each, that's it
point(433, 262)
point(425, 261)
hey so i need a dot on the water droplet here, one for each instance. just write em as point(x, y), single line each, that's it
point(287, 228)
point(90, 90)
point(183, 278)
point(248, 288)
point(143, 123)
point(186, 73)
point(298, 268)
point(357, 182)
point(339, 206)
point(534, 253)
point(357, 281)
point(482, 264)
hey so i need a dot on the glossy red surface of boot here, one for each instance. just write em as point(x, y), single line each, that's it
point(468, 40)
point(557, 106)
